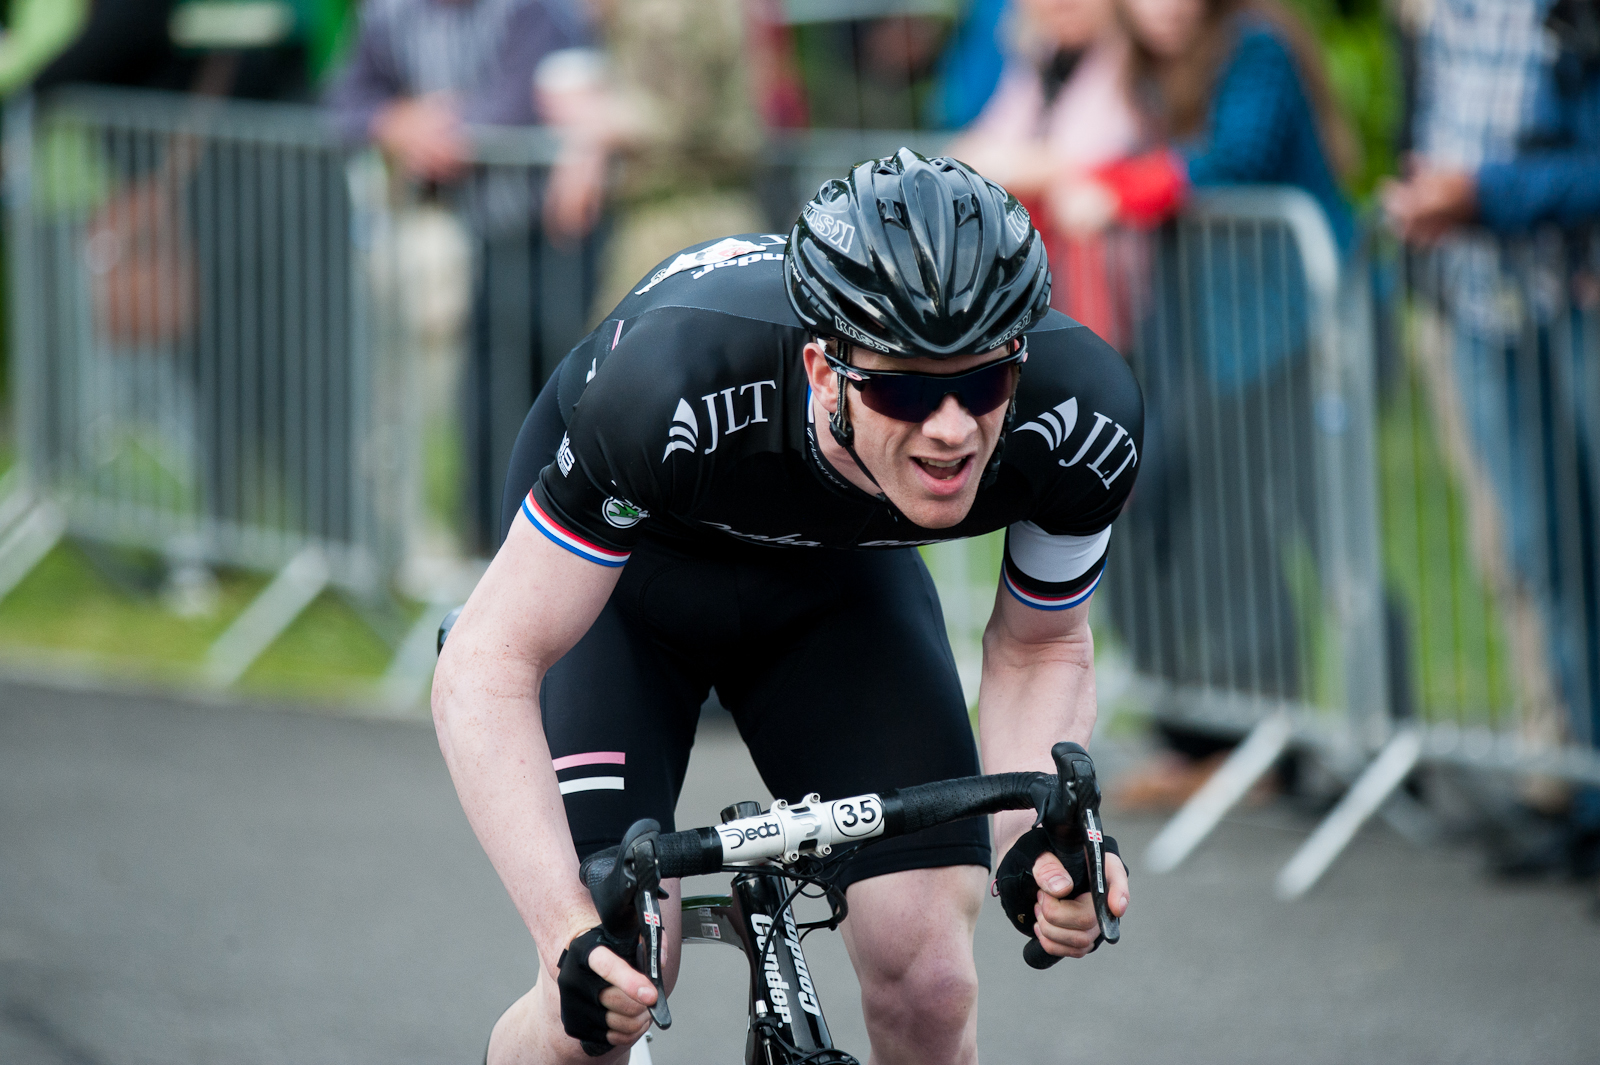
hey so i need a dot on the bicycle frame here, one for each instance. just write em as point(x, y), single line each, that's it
point(781, 988)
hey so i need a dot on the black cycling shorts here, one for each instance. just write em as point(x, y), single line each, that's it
point(834, 664)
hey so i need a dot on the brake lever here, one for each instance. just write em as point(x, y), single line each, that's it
point(627, 899)
point(649, 908)
point(1070, 814)
point(1075, 770)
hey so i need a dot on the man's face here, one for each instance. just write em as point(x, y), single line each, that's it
point(930, 470)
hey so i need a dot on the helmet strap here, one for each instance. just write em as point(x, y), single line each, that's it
point(844, 434)
point(991, 472)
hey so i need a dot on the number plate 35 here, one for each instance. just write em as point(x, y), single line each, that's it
point(860, 816)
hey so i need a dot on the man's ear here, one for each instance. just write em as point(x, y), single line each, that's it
point(824, 382)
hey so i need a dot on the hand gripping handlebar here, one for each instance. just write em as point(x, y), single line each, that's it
point(625, 881)
point(1071, 820)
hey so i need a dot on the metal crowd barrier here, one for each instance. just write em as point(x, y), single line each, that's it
point(192, 368)
point(1364, 523)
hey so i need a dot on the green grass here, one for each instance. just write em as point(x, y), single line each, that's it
point(68, 611)
point(1459, 657)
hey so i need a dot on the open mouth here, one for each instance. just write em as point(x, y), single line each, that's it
point(943, 471)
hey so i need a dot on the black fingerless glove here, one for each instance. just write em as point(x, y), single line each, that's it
point(582, 1016)
point(1014, 882)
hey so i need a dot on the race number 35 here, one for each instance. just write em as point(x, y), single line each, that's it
point(857, 817)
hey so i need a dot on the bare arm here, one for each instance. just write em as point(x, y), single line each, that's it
point(532, 605)
point(1038, 689)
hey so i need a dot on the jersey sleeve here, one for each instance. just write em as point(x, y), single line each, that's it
point(1052, 572)
point(617, 392)
point(1081, 448)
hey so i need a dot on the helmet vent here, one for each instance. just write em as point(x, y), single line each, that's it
point(893, 213)
point(966, 207)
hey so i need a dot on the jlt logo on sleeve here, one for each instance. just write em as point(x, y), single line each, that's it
point(727, 411)
point(1116, 449)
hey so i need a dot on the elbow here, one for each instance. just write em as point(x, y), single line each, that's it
point(446, 697)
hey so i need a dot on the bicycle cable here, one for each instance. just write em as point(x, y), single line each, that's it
point(818, 876)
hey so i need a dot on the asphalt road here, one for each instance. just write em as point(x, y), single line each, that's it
point(185, 883)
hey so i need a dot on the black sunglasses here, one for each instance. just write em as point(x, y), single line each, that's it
point(906, 396)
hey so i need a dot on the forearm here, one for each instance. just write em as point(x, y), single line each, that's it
point(1557, 187)
point(1033, 695)
point(486, 712)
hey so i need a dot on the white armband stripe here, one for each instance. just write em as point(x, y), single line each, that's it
point(1055, 559)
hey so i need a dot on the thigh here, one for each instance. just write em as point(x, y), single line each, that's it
point(857, 691)
point(620, 711)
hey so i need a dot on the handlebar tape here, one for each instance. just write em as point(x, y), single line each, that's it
point(923, 806)
point(691, 853)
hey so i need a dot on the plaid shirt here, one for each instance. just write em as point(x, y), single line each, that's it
point(1478, 65)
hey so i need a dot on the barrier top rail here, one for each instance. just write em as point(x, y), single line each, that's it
point(156, 111)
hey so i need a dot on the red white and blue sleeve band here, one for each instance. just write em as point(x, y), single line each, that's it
point(1050, 572)
point(564, 537)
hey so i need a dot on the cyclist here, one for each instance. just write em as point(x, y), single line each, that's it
point(723, 485)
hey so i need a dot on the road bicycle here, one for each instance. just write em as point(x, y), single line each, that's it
point(776, 854)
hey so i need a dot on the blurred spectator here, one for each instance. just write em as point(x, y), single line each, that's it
point(970, 69)
point(1507, 135)
point(1062, 111)
point(1238, 88)
point(678, 115)
point(422, 70)
point(774, 68)
point(870, 73)
point(1529, 152)
point(422, 73)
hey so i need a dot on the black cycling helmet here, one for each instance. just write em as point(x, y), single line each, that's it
point(911, 257)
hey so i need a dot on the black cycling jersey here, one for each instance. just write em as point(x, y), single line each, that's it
point(688, 418)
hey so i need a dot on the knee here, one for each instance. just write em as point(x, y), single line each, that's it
point(932, 998)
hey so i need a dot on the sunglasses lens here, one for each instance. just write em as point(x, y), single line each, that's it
point(912, 397)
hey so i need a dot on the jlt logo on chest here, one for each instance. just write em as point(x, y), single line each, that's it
point(727, 411)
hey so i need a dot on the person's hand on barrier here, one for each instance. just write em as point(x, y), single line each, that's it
point(1430, 202)
point(1083, 207)
point(425, 136)
point(1068, 928)
point(576, 191)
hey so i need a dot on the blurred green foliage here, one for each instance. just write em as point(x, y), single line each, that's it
point(1459, 661)
point(1362, 53)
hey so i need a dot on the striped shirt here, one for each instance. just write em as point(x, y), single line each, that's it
point(1478, 65)
point(482, 51)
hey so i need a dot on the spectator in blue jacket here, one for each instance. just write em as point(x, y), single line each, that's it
point(1552, 175)
point(1509, 139)
point(1236, 92)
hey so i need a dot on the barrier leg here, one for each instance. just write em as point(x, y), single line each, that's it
point(1386, 773)
point(26, 543)
point(407, 676)
point(1208, 806)
point(267, 616)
